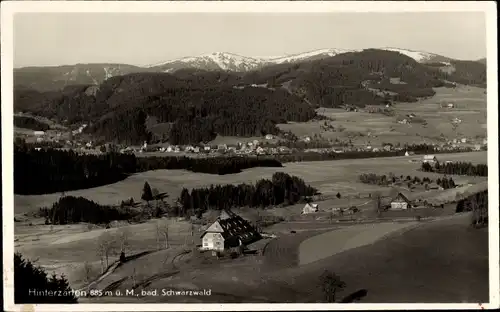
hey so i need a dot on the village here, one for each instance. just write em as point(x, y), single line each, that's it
point(268, 145)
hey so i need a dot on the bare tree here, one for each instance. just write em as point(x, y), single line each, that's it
point(88, 273)
point(134, 278)
point(162, 231)
point(378, 203)
point(331, 284)
point(476, 211)
point(106, 245)
point(124, 238)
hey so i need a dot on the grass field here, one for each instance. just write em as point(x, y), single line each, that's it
point(470, 107)
point(412, 262)
point(325, 245)
point(423, 264)
point(329, 177)
point(65, 248)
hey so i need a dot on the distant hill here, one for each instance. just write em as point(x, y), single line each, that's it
point(199, 104)
point(58, 77)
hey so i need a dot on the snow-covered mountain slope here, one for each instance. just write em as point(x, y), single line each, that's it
point(213, 61)
point(233, 62)
point(57, 77)
point(322, 53)
point(420, 56)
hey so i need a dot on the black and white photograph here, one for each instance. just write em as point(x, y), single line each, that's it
point(244, 155)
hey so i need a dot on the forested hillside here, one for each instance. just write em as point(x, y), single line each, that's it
point(27, 122)
point(57, 77)
point(201, 104)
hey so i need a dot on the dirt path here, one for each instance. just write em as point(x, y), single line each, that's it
point(330, 243)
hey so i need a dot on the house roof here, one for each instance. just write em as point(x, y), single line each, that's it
point(403, 195)
point(234, 226)
point(312, 205)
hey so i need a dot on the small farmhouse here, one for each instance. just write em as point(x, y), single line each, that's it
point(431, 159)
point(406, 153)
point(229, 230)
point(400, 202)
point(310, 208)
point(450, 105)
point(434, 186)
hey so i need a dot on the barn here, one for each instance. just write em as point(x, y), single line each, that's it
point(310, 208)
point(229, 230)
point(431, 159)
point(400, 202)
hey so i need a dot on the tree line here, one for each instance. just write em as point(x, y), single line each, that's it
point(386, 180)
point(70, 209)
point(457, 168)
point(49, 170)
point(31, 282)
point(31, 123)
point(478, 204)
point(215, 165)
point(280, 189)
point(418, 149)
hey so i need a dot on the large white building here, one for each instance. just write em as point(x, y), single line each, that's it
point(229, 230)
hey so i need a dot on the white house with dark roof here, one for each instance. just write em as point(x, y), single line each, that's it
point(431, 159)
point(400, 202)
point(310, 208)
point(229, 230)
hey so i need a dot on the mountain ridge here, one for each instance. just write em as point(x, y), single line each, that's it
point(200, 104)
point(57, 77)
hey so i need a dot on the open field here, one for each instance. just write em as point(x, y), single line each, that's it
point(327, 244)
point(65, 248)
point(433, 257)
point(329, 177)
point(470, 107)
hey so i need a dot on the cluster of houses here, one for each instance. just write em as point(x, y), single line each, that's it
point(254, 147)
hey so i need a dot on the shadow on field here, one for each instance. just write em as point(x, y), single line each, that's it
point(355, 296)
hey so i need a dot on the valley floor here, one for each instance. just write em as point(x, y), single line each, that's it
point(329, 177)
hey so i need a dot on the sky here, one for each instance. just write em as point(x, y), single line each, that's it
point(48, 39)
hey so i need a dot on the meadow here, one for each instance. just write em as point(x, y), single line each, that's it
point(329, 177)
point(364, 128)
point(371, 257)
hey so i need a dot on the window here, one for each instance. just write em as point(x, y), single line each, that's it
point(205, 244)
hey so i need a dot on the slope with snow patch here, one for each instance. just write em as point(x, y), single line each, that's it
point(233, 62)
